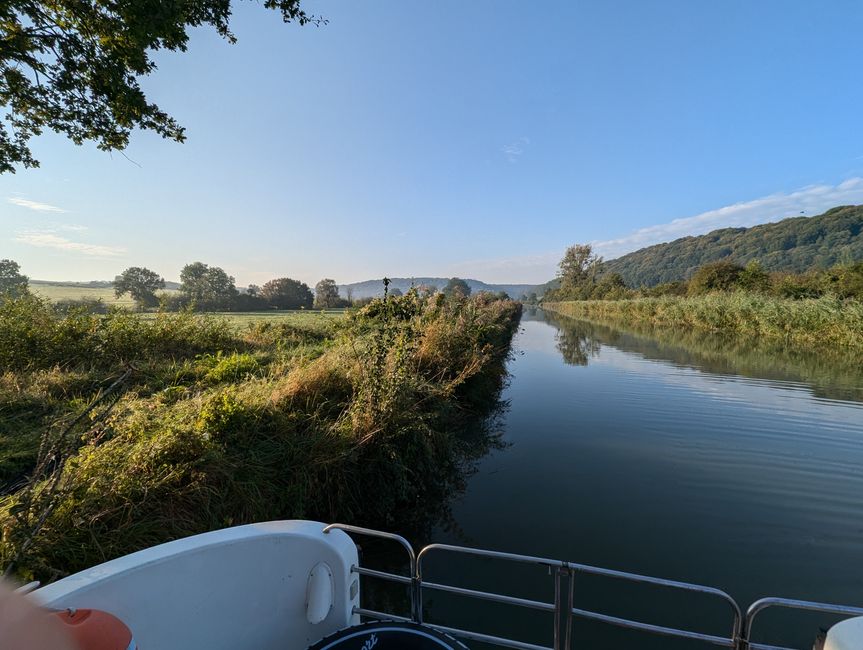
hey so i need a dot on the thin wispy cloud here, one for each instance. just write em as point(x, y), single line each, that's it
point(34, 205)
point(513, 151)
point(49, 239)
point(810, 200)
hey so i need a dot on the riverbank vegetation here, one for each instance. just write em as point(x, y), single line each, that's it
point(816, 309)
point(826, 322)
point(829, 374)
point(118, 432)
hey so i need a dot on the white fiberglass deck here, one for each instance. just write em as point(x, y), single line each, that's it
point(232, 589)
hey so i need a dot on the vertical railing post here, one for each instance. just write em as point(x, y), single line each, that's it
point(417, 589)
point(570, 604)
point(557, 571)
point(742, 627)
point(416, 592)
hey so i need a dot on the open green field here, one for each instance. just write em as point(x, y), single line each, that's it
point(58, 292)
point(240, 320)
point(308, 318)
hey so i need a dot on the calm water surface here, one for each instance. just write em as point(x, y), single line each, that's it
point(675, 456)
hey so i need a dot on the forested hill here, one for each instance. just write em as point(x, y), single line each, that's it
point(797, 244)
point(374, 288)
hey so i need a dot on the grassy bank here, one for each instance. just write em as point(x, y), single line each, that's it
point(815, 323)
point(829, 374)
point(137, 431)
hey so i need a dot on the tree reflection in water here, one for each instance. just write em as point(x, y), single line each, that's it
point(576, 340)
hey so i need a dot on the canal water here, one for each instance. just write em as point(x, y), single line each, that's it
point(680, 456)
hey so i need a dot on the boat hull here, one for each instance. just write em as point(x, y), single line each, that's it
point(241, 587)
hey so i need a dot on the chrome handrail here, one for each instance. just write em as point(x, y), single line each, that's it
point(730, 642)
point(739, 639)
point(788, 603)
point(555, 566)
point(416, 609)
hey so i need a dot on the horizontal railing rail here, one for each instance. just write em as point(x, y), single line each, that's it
point(729, 641)
point(555, 608)
point(789, 603)
point(741, 627)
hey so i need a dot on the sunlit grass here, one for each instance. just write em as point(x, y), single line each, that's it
point(815, 323)
point(299, 317)
point(234, 418)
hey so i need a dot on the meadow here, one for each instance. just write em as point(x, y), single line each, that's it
point(58, 292)
point(69, 293)
point(241, 320)
point(119, 431)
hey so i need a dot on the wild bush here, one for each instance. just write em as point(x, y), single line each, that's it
point(716, 276)
point(33, 335)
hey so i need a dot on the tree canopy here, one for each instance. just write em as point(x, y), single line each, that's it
point(285, 293)
point(74, 67)
point(578, 267)
point(327, 294)
point(207, 285)
point(456, 287)
point(12, 281)
point(141, 283)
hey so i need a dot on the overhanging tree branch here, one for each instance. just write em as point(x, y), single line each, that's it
point(85, 61)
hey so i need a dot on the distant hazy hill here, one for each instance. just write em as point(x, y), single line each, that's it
point(373, 288)
point(795, 244)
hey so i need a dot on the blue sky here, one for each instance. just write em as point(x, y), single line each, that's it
point(479, 139)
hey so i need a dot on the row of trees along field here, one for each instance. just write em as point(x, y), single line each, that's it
point(583, 275)
point(210, 288)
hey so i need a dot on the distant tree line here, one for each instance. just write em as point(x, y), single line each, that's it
point(583, 276)
point(210, 288)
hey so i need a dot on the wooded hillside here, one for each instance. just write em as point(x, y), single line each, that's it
point(795, 245)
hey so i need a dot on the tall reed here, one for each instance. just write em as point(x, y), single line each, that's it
point(815, 323)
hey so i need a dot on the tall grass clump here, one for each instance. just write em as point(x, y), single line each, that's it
point(34, 336)
point(365, 420)
point(818, 323)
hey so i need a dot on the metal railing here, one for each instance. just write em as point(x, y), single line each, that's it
point(562, 606)
point(787, 603)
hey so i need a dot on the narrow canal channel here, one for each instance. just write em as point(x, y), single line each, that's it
point(683, 457)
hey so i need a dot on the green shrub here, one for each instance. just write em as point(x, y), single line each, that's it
point(844, 281)
point(33, 335)
point(716, 276)
point(797, 287)
point(231, 367)
point(754, 278)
